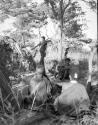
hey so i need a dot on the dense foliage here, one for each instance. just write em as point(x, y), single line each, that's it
point(5, 58)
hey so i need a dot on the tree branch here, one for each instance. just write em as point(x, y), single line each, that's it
point(7, 37)
point(69, 2)
point(92, 4)
point(53, 8)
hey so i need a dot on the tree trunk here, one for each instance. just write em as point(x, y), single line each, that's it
point(61, 28)
point(61, 41)
point(91, 61)
point(60, 47)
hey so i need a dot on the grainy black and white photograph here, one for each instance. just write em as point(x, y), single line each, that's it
point(48, 62)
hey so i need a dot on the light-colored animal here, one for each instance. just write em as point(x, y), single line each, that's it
point(73, 96)
point(40, 88)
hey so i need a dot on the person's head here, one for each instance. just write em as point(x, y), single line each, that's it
point(67, 60)
point(39, 71)
point(55, 61)
point(42, 39)
point(28, 53)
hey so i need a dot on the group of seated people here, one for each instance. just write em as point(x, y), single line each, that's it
point(61, 70)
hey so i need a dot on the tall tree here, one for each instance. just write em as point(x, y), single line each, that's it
point(66, 12)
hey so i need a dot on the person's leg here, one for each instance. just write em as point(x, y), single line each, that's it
point(66, 75)
point(42, 59)
point(42, 63)
point(61, 74)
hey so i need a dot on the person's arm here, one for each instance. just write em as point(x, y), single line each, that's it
point(49, 41)
point(36, 46)
point(56, 69)
point(35, 54)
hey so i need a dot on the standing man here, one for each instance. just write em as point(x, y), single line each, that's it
point(43, 52)
point(43, 49)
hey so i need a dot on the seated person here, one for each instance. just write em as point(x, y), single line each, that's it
point(64, 69)
point(53, 70)
point(92, 82)
point(92, 88)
